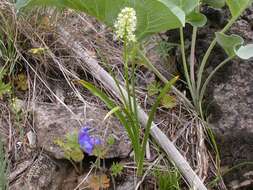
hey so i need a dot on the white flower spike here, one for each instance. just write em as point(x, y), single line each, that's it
point(126, 24)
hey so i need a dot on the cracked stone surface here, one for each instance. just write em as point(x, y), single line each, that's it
point(232, 113)
point(55, 121)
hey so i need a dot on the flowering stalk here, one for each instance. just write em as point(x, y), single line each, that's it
point(125, 27)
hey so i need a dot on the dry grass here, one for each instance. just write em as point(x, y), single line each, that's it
point(51, 76)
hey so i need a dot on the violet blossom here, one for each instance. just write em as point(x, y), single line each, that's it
point(86, 141)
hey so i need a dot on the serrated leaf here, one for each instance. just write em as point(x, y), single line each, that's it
point(111, 140)
point(152, 15)
point(116, 169)
point(196, 19)
point(4, 89)
point(245, 52)
point(77, 155)
point(236, 7)
point(71, 147)
point(2, 73)
point(169, 101)
point(229, 43)
point(154, 88)
point(21, 82)
point(215, 3)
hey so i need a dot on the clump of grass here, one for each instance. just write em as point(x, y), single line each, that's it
point(168, 180)
point(8, 37)
point(3, 168)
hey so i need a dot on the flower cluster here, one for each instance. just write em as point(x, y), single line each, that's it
point(126, 24)
point(87, 142)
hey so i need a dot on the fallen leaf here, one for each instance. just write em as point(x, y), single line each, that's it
point(37, 50)
point(21, 81)
point(97, 182)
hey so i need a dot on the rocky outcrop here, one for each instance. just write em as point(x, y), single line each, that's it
point(44, 173)
point(232, 116)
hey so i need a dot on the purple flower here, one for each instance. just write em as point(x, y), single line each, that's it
point(87, 143)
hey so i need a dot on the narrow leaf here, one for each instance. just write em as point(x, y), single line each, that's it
point(117, 108)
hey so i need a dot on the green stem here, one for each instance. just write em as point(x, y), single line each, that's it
point(192, 59)
point(186, 72)
point(149, 123)
point(162, 78)
point(209, 50)
point(130, 104)
point(203, 89)
point(126, 75)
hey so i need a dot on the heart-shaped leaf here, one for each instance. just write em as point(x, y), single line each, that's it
point(229, 43)
point(152, 15)
point(215, 3)
point(245, 52)
point(196, 19)
point(233, 46)
point(236, 7)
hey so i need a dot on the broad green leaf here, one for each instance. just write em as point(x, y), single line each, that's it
point(215, 3)
point(236, 7)
point(152, 15)
point(229, 43)
point(187, 5)
point(245, 52)
point(196, 19)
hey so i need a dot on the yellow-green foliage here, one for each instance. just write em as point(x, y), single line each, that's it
point(5, 88)
point(71, 147)
point(168, 180)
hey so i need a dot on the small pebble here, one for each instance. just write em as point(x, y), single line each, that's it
point(31, 139)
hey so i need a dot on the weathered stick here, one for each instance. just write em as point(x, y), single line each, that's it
point(106, 79)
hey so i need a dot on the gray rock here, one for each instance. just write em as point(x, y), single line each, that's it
point(128, 184)
point(43, 174)
point(54, 122)
point(232, 116)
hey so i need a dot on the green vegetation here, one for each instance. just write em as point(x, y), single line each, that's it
point(168, 180)
point(152, 17)
point(116, 169)
point(5, 88)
